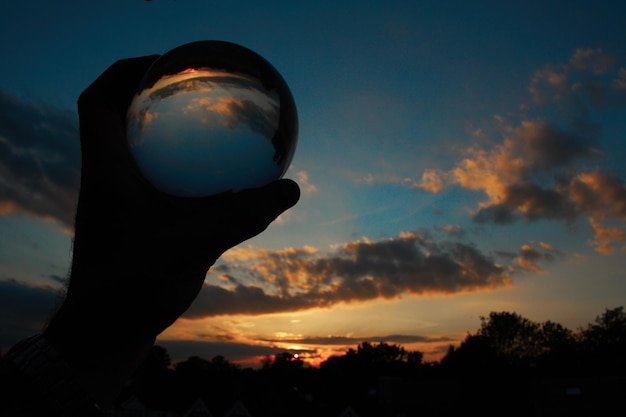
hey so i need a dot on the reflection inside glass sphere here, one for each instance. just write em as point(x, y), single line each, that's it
point(211, 117)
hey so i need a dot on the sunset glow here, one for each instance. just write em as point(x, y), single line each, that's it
point(454, 159)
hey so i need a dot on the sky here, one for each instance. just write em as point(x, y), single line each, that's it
point(455, 158)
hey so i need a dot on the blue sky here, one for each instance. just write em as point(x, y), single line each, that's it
point(456, 158)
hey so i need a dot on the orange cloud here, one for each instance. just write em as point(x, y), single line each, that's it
point(599, 194)
point(305, 184)
point(432, 181)
point(451, 229)
point(544, 168)
point(605, 237)
point(299, 279)
point(7, 207)
point(528, 258)
point(546, 246)
point(148, 117)
point(220, 105)
point(488, 171)
point(248, 253)
point(530, 255)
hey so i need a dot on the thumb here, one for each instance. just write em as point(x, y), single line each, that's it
point(251, 211)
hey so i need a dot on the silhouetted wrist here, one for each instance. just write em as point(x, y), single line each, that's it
point(53, 388)
point(103, 354)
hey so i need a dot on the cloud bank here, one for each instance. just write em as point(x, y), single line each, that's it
point(299, 279)
point(39, 160)
point(346, 340)
point(183, 349)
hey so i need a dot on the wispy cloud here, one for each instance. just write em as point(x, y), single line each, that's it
point(306, 186)
point(451, 230)
point(530, 256)
point(349, 340)
point(431, 180)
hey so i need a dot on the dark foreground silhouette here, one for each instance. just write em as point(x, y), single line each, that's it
point(139, 259)
point(510, 366)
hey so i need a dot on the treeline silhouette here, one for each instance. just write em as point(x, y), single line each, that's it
point(509, 366)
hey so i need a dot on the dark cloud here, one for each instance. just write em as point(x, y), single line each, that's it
point(242, 111)
point(344, 340)
point(59, 279)
point(358, 271)
point(496, 213)
point(208, 83)
point(24, 309)
point(180, 350)
point(529, 201)
point(589, 78)
point(39, 160)
point(214, 300)
point(262, 120)
point(598, 193)
point(545, 146)
point(179, 87)
point(531, 254)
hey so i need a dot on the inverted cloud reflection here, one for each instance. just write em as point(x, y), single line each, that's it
point(202, 131)
point(214, 97)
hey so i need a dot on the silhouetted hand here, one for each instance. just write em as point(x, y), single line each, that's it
point(139, 256)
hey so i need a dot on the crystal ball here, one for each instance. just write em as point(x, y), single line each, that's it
point(210, 117)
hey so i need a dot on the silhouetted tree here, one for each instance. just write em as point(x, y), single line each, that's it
point(557, 350)
point(415, 357)
point(193, 366)
point(285, 381)
point(380, 354)
point(158, 360)
point(153, 380)
point(511, 336)
point(553, 338)
point(284, 360)
point(501, 360)
point(475, 353)
point(220, 366)
point(608, 329)
point(603, 342)
point(508, 339)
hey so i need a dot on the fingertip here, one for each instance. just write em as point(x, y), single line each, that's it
point(287, 191)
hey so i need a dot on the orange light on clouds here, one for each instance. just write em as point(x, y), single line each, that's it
point(340, 330)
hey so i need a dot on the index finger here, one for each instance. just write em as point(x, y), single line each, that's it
point(102, 111)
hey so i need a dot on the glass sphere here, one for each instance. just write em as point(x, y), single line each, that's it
point(210, 117)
